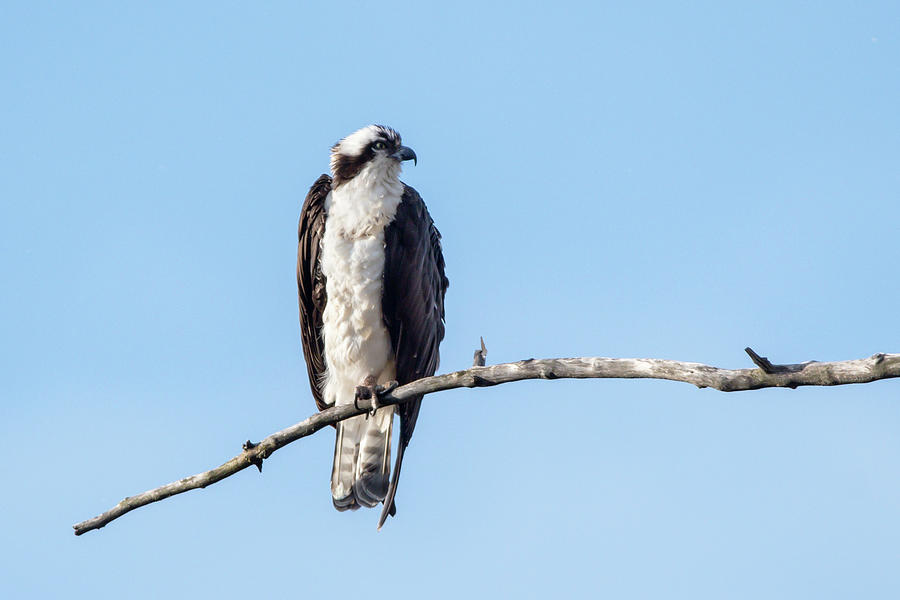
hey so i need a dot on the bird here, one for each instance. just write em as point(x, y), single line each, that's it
point(371, 287)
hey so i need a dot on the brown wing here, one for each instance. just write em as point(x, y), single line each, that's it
point(413, 306)
point(311, 283)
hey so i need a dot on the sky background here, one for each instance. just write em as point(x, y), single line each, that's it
point(611, 179)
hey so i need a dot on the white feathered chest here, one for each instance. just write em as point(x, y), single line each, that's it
point(357, 344)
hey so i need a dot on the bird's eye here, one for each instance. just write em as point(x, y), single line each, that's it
point(379, 145)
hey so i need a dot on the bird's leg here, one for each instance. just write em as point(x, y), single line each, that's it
point(367, 391)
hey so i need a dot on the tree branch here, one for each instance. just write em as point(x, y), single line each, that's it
point(865, 370)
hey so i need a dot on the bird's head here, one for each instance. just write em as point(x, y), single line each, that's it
point(375, 149)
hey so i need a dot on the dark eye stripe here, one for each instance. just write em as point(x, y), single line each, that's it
point(345, 168)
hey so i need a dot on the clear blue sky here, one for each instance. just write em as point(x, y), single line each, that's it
point(611, 179)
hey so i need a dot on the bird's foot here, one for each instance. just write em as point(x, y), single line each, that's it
point(367, 391)
point(379, 390)
point(362, 393)
point(387, 388)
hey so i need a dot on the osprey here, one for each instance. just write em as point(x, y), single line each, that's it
point(371, 285)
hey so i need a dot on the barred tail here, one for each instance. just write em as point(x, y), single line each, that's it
point(362, 456)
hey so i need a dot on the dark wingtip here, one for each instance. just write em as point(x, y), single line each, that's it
point(389, 507)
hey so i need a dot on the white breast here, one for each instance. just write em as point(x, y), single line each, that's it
point(357, 344)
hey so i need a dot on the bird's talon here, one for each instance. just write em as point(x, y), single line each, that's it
point(387, 388)
point(366, 392)
point(362, 393)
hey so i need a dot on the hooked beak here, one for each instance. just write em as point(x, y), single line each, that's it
point(405, 153)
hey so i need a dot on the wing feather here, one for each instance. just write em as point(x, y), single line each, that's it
point(413, 306)
point(311, 283)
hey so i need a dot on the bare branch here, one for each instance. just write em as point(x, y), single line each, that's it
point(865, 370)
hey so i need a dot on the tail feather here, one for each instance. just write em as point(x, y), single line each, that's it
point(361, 472)
point(373, 469)
point(343, 471)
